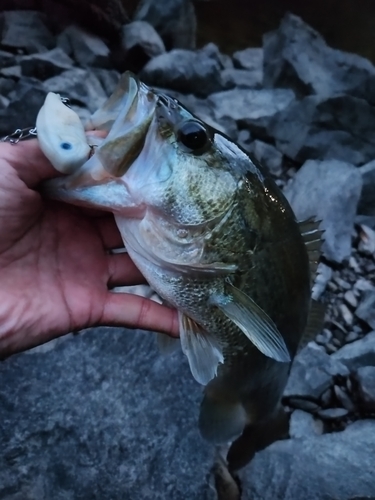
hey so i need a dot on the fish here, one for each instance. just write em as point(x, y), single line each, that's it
point(215, 238)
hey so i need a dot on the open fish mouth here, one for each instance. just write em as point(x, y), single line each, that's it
point(99, 181)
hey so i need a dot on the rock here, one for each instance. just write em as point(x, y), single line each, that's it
point(108, 78)
point(312, 373)
point(350, 298)
point(332, 413)
point(304, 425)
point(141, 43)
point(7, 59)
point(300, 403)
point(366, 203)
point(336, 465)
point(328, 190)
point(184, 70)
point(346, 314)
point(241, 78)
point(366, 244)
point(357, 354)
point(366, 309)
point(46, 65)
point(87, 50)
point(297, 57)
point(250, 59)
point(365, 378)
point(324, 128)
point(343, 399)
point(174, 20)
point(251, 109)
point(324, 337)
point(102, 412)
point(323, 276)
point(79, 85)
point(14, 72)
point(268, 156)
point(26, 99)
point(25, 31)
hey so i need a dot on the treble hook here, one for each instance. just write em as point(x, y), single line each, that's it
point(20, 134)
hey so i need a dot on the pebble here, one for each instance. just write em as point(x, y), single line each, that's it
point(331, 348)
point(363, 285)
point(346, 314)
point(365, 377)
point(352, 336)
point(350, 299)
point(332, 413)
point(303, 404)
point(326, 397)
point(342, 283)
point(343, 398)
point(353, 264)
point(324, 337)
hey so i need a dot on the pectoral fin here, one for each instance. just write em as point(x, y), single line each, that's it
point(167, 345)
point(201, 348)
point(254, 322)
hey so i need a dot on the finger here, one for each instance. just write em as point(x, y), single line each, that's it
point(109, 232)
point(122, 309)
point(29, 161)
point(122, 271)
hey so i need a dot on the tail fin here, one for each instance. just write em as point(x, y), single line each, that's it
point(221, 420)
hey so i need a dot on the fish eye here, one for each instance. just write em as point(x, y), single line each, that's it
point(66, 145)
point(193, 135)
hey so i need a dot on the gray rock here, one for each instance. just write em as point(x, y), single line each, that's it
point(332, 466)
point(301, 403)
point(26, 31)
point(4, 102)
point(241, 78)
point(365, 377)
point(268, 156)
point(297, 57)
point(367, 202)
point(328, 190)
point(312, 372)
point(357, 354)
point(26, 99)
point(332, 413)
point(81, 86)
point(185, 71)
point(140, 42)
point(366, 309)
point(108, 78)
point(7, 59)
point(174, 20)
point(323, 276)
point(6, 86)
point(252, 109)
point(304, 425)
point(318, 127)
point(46, 65)
point(250, 59)
point(86, 49)
point(101, 415)
point(14, 72)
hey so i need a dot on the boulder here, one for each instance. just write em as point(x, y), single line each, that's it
point(102, 415)
point(186, 71)
point(357, 354)
point(140, 43)
point(323, 128)
point(304, 425)
point(79, 85)
point(46, 65)
point(328, 190)
point(250, 59)
point(174, 20)
point(296, 56)
point(241, 78)
point(312, 373)
point(366, 309)
point(87, 49)
point(367, 202)
point(337, 465)
point(365, 378)
point(251, 109)
point(25, 31)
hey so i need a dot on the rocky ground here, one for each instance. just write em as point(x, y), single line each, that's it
point(101, 414)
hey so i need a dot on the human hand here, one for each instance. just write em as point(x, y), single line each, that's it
point(55, 265)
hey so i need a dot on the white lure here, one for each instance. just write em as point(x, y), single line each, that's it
point(61, 135)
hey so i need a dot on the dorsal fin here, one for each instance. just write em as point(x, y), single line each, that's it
point(312, 237)
point(315, 322)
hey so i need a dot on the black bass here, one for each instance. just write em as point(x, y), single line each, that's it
point(214, 237)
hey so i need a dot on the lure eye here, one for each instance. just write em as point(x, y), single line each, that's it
point(193, 135)
point(66, 145)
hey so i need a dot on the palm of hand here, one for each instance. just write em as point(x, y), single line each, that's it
point(55, 266)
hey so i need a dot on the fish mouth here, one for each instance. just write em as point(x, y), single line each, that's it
point(100, 182)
